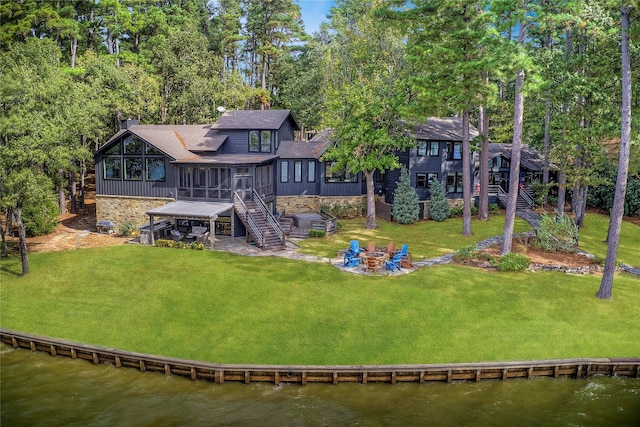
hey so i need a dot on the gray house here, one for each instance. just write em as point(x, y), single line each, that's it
point(234, 177)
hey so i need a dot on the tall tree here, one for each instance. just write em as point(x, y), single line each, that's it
point(615, 222)
point(364, 94)
point(447, 39)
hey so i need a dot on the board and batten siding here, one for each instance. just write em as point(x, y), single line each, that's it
point(142, 188)
point(304, 187)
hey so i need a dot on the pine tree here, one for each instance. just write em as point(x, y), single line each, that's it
point(439, 208)
point(406, 208)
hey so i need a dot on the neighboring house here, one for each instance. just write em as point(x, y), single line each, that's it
point(436, 156)
point(235, 176)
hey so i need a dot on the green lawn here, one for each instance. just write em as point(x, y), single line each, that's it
point(220, 307)
point(594, 234)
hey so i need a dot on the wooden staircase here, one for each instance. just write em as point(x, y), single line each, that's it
point(524, 202)
point(262, 226)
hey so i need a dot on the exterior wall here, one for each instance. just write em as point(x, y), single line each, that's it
point(121, 209)
point(307, 204)
point(291, 187)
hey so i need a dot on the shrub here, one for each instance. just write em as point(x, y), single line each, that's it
point(406, 207)
point(127, 228)
point(317, 233)
point(41, 218)
point(456, 212)
point(511, 262)
point(553, 235)
point(439, 207)
point(466, 253)
point(493, 208)
point(344, 210)
point(540, 191)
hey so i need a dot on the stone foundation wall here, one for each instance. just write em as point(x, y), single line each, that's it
point(307, 204)
point(121, 209)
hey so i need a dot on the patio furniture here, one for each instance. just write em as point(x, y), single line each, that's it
point(371, 247)
point(391, 265)
point(391, 249)
point(398, 258)
point(175, 235)
point(106, 225)
point(352, 255)
point(372, 264)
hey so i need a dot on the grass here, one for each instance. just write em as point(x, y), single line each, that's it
point(219, 307)
point(427, 239)
point(593, 238)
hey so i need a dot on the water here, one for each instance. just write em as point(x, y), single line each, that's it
point(40, 390)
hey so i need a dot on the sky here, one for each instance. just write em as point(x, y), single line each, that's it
point(314, 12)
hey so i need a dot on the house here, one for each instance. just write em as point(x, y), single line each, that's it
point(235, 176)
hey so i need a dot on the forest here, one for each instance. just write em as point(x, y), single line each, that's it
point(547, 73)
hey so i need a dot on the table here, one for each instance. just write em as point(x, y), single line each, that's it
point(379, 257)
point(106, 225)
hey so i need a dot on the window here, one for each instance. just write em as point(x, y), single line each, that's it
point(338, 176)
point(133, 168)
point(422, 148)
point(265, 141)
point(421, 180)
point(112, 168)
point(431, 177)
point(454, 150)
point(499, 162)
point(379, 176)
point(284, 172)
point(199, 182)
point(150, 149)
point(454, 182)
point(254, 141)
point(132, 145)
point(115, 149)
point(155, 169)
point(297, 171)
point(434, 148)
point(260, 141)
point(311, 176)
point(276, 140)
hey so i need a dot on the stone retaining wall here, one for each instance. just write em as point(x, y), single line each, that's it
point(121, 209)
point(307, 204)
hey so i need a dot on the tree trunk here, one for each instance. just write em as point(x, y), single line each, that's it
point(22, 238)
point(3, 232)
point(74, 49)
point(483, 122)
point(466, 176)
point(62, 198)
point(371, 201)
point(547, 147)
point(562, 179)
point(615, 222)
point(73, 192)
point(581, 204)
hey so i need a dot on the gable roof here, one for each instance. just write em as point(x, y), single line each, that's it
point(443, 129)
point(177, 141)
point(530, 158)
point(254, 119)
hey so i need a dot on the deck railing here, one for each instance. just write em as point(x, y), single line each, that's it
point(273, 222)
point(243, 213)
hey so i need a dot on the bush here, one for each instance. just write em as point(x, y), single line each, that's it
point(344, 210)
point(511, 262)
point(439, 207)
point(466, 253)
point(127, 228)
point(493, 208)
point(406, 207)
point(540, 191)
point(41, 218)
point(317, 233)
point(458, 212)
point(560, 236)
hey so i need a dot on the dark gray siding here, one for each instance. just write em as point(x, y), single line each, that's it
point(237, 142)
point(292, 188)
point(121, 187)
point(338, 188)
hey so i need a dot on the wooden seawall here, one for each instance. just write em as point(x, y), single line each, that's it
point(299, 374)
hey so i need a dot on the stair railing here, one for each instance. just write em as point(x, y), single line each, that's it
point(502, 196)
point(243, 213)
point(527, 197)
point(273, 222)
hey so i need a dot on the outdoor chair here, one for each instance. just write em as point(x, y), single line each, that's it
point(371, 247)
point(175, 235)
point(402, 257)
point(391, 265)
point(352, 255)
point(372, 265)
point(391, 249)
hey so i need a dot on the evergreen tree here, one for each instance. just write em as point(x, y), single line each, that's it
point(406, 208)
point(439, 208)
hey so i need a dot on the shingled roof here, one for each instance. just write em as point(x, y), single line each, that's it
point(443, 129)
point(254, 119)
point(530, 158)
point(177, 141)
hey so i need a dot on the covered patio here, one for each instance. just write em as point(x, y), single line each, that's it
point(206, 212)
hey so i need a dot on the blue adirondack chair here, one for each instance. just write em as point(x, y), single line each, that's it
point(397, 258)
point(352, 255)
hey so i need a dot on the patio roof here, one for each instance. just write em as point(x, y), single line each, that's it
point(187, 209)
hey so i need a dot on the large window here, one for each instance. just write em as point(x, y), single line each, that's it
point(200, 182)
point(134, 160)
point(284, 171)
point(430, 148)
point(260, 141)
point(499, 162)
point(454, 150)
point(112, 168)
point(339, 175)
point(454, 182)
